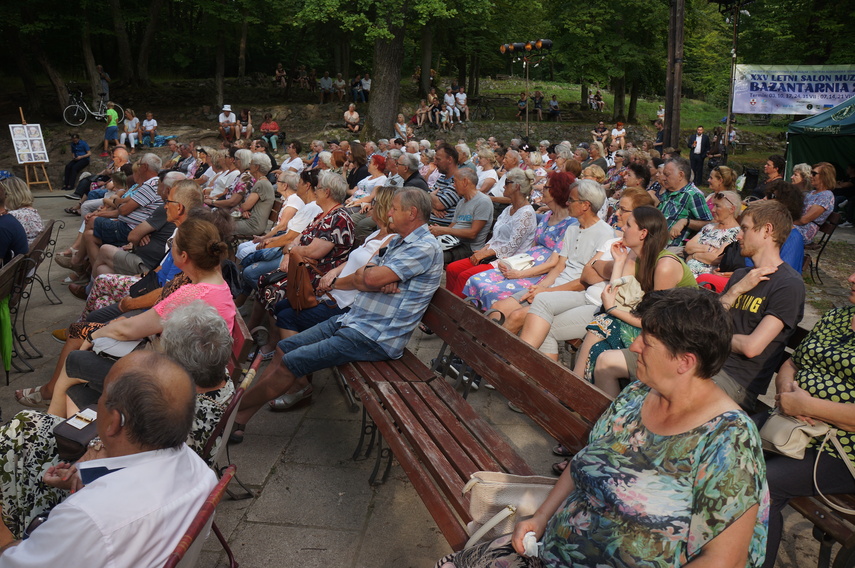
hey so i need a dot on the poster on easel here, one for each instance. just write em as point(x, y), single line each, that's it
point(29, 143)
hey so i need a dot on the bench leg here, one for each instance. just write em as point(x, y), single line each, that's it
point(825, 544)
point(369, 428)
point(845, 558)
point(382, 453)
point(349, 396)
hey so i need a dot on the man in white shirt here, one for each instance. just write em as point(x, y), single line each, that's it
point(366, 86)
point(227, 122)
point(140, 486)
point(326, 84)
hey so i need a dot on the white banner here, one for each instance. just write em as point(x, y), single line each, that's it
point(791, 89)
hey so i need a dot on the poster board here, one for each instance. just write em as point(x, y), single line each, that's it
point(29, 144)
point(791, 89)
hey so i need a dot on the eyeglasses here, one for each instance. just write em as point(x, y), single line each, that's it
point(623, 209)
point(814, 173)
point(171, 201)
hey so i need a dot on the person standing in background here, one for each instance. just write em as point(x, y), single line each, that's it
point(699, 145)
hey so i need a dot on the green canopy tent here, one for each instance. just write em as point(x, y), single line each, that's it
point(826, 137)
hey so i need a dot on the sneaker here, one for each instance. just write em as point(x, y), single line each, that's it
point(104, 154)
point(73, 196)
point(846, 224)
point(488, 386)
point(60, 335)
point(515, 408)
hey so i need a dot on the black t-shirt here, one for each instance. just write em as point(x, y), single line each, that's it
point(357, 175)
point(782, 296)
point(154, 251)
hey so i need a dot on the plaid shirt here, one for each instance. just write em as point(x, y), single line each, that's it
point(688, 202)
point(389, 319)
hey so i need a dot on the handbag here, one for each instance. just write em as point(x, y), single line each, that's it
point(299, 289)
point(144, 285)
point(629, 293)
point(520, 261)
point(790, 436)
point(73, 435)
point(498, 500)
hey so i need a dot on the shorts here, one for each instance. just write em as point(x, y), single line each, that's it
point(112, 133)
point(126, 262)
point(111, 231)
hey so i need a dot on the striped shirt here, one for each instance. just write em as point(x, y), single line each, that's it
point(148, 199)
point(448, 196)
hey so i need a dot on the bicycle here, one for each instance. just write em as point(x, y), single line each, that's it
point(483, 109)
point(77, 111)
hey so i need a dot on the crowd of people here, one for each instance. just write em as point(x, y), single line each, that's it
point(601, 242)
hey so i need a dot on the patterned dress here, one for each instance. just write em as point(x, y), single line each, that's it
point(824, 199)
point(491, 286)
point(30, 220)
point(28, 449)
point(643, 499)
point(716, 238)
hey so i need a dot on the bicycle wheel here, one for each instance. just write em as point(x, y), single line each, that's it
point(489, 113)
point(119, 110)
point(74, 115)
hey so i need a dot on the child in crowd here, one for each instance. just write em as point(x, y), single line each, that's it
point(111, 134)
point(149, 129)
point(443, 118)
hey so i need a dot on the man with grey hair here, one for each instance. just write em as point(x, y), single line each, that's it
point(378, 325)
point(424, 145)
point(408, 168)
point(684, 205)
point(472, 218)
point(383, 146)
point(464, 156)
point(412, 147)
point(392, 175)
point(144, 418)
point(370, 149)
point(146, 242)
point(581, 242)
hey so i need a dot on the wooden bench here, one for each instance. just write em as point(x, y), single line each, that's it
point(437, 437)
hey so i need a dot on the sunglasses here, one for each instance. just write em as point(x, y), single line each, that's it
point(814, 173)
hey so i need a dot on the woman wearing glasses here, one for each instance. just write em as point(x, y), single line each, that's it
point(704, 249)
point(819, 201)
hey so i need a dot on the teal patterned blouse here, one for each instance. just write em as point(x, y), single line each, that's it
point(642, 499)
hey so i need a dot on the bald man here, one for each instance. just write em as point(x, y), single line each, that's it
point(140, 487)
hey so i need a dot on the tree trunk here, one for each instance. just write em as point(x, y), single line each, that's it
point(242, 50)
point(55, 78)
point(126, 64)
point(470, 87)
point(619, 91)
point(476, 73)
point(89, 62)
point(427, 55)
point(25, 70)
point(345, 60)
point(386, 86)
point(337, 57)
point(632, 116)
point(584, 100)
point(461, 70)
point(220, 71)
point(147, 41)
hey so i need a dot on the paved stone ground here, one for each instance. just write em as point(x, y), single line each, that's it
point(314, 507)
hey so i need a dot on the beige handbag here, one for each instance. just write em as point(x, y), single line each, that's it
point(500, 500)
point(790, 436)
point(520, 261)
point(629, 293)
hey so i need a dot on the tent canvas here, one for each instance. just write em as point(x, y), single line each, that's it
point(826, 137)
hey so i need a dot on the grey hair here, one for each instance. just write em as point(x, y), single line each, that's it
point(521, 177)
point(383, 141)
point(592, 192)
point(188, 193)
point(335, 183)
point(318, 143)
point(152, 161)
point(682, 165)
point(430, 155)
point(469, 174)
point(291, 179)
point(155, 416)
point(544, 143)
point(325, 157)
point(412, 145)
point(370, 148)
point(424, 144)
point(198, 339)
point(411, 161)
point(261, 160)
point(415, 197)
point(172, 178)
point(513, 154)
point(464, 149)
point(516, 143)
point(623, 154)
point(243, 156)
point(564, 151)
point(393, 154)
point(803, 169)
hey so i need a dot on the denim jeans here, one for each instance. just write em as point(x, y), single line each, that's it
point(252, 272)
point(292, 320)
point(327, 345)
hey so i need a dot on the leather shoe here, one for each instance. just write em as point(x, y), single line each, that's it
point(289, 401)
point(78, 291)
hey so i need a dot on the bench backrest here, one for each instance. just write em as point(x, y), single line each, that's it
point(561, 402)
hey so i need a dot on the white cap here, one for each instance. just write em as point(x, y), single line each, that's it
point(227, 108)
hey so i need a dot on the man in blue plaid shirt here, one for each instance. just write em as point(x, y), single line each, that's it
point(396, 287)
point(684, 205)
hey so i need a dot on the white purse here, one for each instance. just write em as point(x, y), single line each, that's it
point(520, 261)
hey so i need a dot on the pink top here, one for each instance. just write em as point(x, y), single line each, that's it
point(218, 296)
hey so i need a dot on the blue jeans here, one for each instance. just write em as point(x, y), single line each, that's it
point(292, 320)
point(111, 231)
point(327, 345)
point(252, 271)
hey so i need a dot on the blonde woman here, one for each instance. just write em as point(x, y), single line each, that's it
point(131, 129)
point(19, 204)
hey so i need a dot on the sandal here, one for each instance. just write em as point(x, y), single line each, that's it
point(238, 432)
point(558, 468)
point(425, 329)
point(72, 211)
point(289, 401)
point(561, 451)
point(69, 252)
point(32, 397)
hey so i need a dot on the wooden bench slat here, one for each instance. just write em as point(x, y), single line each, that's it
point(432, 456)
point(444, 516)
point(820, 514)
point(486, 434)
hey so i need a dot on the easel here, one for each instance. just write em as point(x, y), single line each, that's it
point(30, 168)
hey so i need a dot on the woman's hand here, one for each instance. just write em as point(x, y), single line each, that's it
point(478, 256)
point(678, 228)
point(532, 292)
point(510, 273)
point(63, 476)
point(325, 283)
point(525, 526)
point(609, 296)
point(619, 251)
point(283, 264)
point(365, 207)
point(794, 401)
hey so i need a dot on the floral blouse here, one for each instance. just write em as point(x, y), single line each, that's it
point(336, 227)
point(30, 220)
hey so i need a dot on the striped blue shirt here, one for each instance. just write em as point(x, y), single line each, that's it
point(389, 319)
